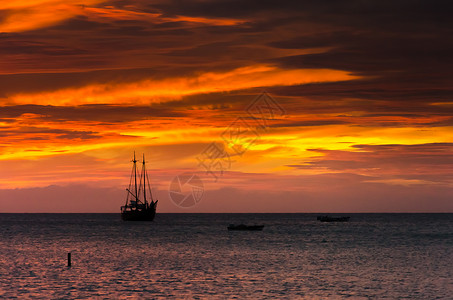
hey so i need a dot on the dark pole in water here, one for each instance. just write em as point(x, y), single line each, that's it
point(69, 259)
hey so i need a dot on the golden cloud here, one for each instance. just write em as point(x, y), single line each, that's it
point(156, 91)
point(35, 14)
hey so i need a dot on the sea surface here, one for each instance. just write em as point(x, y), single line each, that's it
point(378, 256)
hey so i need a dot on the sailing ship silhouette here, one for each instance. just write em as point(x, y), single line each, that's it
point(140, 205)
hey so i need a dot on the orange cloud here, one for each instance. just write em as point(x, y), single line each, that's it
point(155, 91)
point(109, 12)
point(35, 14)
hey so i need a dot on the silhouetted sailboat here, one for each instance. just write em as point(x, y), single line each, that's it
point(137, 207)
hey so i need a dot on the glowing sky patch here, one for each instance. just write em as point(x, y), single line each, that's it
point(365, 94)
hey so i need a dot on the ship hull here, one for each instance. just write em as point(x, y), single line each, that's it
point(138, 215)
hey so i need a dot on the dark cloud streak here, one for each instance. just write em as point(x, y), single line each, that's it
point(97, 113)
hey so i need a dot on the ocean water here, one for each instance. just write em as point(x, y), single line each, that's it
point(382, 256)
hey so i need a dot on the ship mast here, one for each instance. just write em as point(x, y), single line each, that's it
point(135, 179)
point(144, 181)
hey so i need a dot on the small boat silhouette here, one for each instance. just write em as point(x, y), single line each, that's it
point(332, 219)
point(245, 227)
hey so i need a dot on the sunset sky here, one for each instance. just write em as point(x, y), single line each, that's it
point(364, 90)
